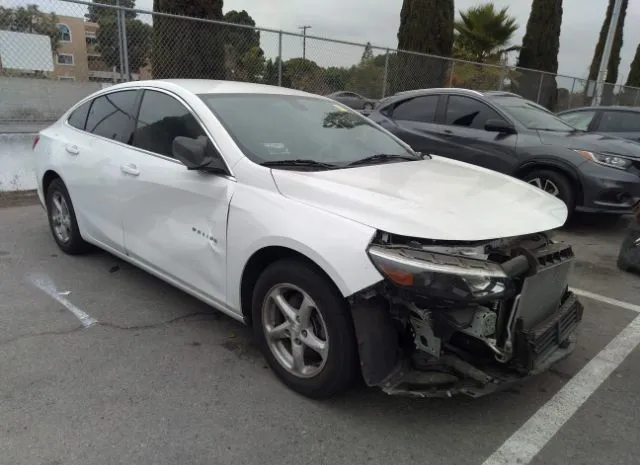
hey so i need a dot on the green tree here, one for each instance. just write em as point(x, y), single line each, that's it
point(483, 33)
point(539, 51)
point(426, 26)
point(633, 79)
point(245, 58)
point(30, 19)
point(614, 60)
point(183, 48)
point(270, 74)
point(304, 74)
point(95, 12)
point(138, 43)
point(367, 54)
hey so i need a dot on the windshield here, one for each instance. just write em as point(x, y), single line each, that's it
point(531, 115)
point(270, 128)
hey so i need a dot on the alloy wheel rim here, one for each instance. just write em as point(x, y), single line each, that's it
point(61, 218)
point(295, 330)
point(546, 185)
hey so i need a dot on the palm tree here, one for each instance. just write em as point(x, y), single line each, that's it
point(483, 33)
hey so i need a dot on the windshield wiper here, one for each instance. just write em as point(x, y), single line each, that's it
point(299, 162)
point(382, 157)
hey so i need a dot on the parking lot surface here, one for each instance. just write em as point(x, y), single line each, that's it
point(161, 378)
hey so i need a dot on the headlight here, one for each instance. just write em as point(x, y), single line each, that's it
point(441, 276)
point(605, 159)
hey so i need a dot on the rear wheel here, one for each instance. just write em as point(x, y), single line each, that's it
point(554, 183)
point(62, 219)
point(303, 327)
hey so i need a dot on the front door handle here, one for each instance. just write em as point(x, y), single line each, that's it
point(130, 168)
point(72, 149)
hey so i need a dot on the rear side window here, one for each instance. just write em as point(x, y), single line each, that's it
point(469, 112)
point(111, 116)
point(620, 121)
point(421, 109)
point(162, 118)
point(78, 117)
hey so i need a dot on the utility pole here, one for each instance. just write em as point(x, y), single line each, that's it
point(606, 53)
point(304, 40)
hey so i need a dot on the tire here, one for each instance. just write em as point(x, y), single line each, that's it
point(329, 321)
point(70, 243)
point(560, 181)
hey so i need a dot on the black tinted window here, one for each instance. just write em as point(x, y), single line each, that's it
point(421, 109)
point(620, 121)
point(468, 112)
point(161, 119)
point(111, 116)
point(78, 117)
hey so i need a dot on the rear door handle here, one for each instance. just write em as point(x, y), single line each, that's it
point(72, 149)
point(130, 169)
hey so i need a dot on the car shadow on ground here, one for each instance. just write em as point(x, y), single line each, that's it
point(597, 224)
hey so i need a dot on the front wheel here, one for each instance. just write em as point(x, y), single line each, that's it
point(303, 327)
point(554, 183)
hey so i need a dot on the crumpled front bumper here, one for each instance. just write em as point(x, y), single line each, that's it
point(538, 349)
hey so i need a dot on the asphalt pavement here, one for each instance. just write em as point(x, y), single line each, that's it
point(161, 378)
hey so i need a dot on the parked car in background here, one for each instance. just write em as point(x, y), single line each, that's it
point(341, 246)
point(613, 121)
point(507, 133)
point(353, 100)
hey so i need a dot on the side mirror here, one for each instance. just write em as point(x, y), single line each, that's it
point(195, 156)
point(499, 125)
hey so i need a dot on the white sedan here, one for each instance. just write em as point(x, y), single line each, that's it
point(349, 253)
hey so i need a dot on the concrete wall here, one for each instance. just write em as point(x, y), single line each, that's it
point(16, 162)
point(29, 99)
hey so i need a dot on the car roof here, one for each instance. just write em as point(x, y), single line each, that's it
point(211, 86)
point(445, 90)
point(608, 108)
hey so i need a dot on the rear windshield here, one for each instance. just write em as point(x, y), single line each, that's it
point(273, 127)
point(530, 114)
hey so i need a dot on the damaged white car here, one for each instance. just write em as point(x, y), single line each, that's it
point(346, 251)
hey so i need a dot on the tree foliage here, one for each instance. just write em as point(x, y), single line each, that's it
point(539, 51)
point(138, 43)
point(30, 19)
point(426, 26)
point(633, 79)
point(245, 59)
point(96, 13)
point(184, 48)
point(614, 60)
point(483, 33)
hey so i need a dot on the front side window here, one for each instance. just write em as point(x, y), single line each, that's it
point(162, 118)
point(468, 112)
point(531, 115)
point(272, 128)
point(78, 117)
point(111, 116)
point(421, 109)
point(620, 121)
point(579, 119)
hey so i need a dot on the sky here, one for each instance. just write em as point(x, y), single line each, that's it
point(377, 21)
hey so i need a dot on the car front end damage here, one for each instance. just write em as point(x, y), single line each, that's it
point(464, 317)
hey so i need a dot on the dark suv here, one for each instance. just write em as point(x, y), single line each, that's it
point(507, 133)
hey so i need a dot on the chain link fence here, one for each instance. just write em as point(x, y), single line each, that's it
point(74, 47)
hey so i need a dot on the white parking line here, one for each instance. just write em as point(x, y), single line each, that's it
point(46, 285)
point(607, 300)
point(538, 430)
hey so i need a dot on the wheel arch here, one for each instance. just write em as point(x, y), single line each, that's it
point(259, 261)
point(47, 179)
point(556, 166)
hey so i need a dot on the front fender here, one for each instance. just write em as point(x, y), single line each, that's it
point(261, 218)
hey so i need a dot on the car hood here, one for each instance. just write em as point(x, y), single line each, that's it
point(436, 198)
point(592, 142)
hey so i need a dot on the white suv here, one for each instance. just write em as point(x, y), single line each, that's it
point(344, 249)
